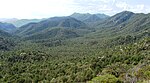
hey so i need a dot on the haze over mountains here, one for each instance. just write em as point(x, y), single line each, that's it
point(120, 23)
point(124, 22)
point(19, 22)
point(89, 17)
point(72, 21)
point(81, 17)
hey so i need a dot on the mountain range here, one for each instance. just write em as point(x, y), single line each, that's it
point(51, 25)
point(122, 23)
point(89, 17)
point(126, 23)
point(80, 48)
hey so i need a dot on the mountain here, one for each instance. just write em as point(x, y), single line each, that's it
point(20, 22)
point(59, 33)
point(89, 17)
point(69, 22)
point(138, 23)
point(8, 20)
point(123, 24)
point(7, 27)
point(117, 19)
point(93, 18)
point(46, 25)
point(102, 15)
point(66, 50)
point(4, 34)
point(6, 42)
point(80, 17)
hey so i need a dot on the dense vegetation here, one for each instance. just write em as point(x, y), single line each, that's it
point(7, 27)
point(56, 51)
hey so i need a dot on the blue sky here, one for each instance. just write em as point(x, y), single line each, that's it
point(49, 8)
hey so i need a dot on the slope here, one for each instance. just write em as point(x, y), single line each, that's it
point(4, 34)
point(124, 23)
point(89, 17)
point(20, 22)
point(57, 33)
point(48, 26)
point(7, 27)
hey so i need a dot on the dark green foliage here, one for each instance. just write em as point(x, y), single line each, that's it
point(6, 44)
point(4, 34)
point(59, 33)
point(73, 64)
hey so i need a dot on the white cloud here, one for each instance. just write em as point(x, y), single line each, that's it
point(94, 6)
point(137, 8)
point(122, 5)
point(48, 8)
point(108, 1)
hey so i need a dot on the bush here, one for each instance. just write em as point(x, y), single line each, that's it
point(105, 79)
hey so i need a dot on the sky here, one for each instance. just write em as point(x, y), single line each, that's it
point(29, 9)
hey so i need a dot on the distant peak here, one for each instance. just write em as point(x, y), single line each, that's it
point(127, 12)
point(81, 13)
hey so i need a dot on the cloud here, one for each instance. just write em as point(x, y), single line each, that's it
point(94, 6)
point(108, 1)
point(111, 7)
point(49, 8)
point(122, 5)
point(137, 8)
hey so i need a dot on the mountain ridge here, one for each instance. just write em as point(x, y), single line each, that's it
point(87, 17)
point(63, 22)
point(7, 27)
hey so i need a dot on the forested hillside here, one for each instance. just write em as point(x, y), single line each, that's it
point(89, 17)
point(7, 27)
point(92, 49)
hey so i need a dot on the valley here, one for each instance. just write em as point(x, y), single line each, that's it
point(80, 48)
